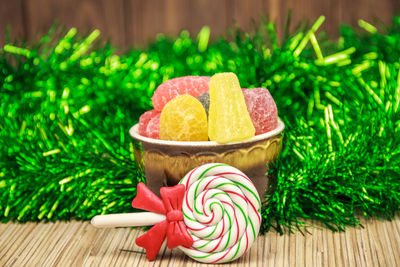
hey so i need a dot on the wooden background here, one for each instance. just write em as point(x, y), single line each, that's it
point(135, 22)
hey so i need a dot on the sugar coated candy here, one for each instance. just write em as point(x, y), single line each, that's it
point(183, 119)
point(153, 127)
point(204, 99)
point(190, 85)
point(144, 121)
point(228, 118)
point(262, 109)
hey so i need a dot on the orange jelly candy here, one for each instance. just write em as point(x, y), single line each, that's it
point(228, 118)
point(183, 119)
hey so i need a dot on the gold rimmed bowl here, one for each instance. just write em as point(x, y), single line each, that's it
point(166, 162)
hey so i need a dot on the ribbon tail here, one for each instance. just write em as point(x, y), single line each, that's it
point(177, 235)
point(153, 239)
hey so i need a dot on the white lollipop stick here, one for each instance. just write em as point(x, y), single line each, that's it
point(127, 219)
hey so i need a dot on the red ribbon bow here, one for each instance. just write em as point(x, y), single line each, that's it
point(173, 227)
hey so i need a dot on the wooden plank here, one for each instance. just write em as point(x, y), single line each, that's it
point(372, 11)
point(85, 15)
point(246, 13)
point(350, 14)
point(215, 13)
point(330, 9)
point(178, 16)
point(11, 13)
point(307, 12)
point(273, 8)
point(146, 19)
point(380, 12)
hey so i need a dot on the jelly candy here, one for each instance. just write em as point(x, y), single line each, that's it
point(228, 118)
point(190, 85)
point(183, 119)
point(204, 99)
point(153, 127)
point(262, 109)
point(144, 121)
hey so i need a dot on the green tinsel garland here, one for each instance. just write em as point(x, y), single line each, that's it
point(66, 104)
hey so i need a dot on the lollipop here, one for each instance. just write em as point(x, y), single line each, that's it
point(212, 215)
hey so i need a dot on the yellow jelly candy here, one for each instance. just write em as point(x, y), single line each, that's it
point(228, 118)
point(183, 119)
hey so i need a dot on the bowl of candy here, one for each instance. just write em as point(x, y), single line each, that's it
point(198, 120)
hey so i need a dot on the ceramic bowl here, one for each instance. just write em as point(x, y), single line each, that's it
point(166, 162)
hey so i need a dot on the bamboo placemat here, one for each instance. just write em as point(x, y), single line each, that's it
point(77, 243)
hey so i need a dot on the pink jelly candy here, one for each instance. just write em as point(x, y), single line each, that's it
point(153, 127)
point(145, 119)
point(262, 109)
point(189, 85)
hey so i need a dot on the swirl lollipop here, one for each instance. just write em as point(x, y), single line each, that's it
point(221, 212)
point(213, 215)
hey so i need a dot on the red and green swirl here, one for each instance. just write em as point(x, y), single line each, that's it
point(221, 210)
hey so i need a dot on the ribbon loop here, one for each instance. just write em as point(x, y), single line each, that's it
point(146, 200)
